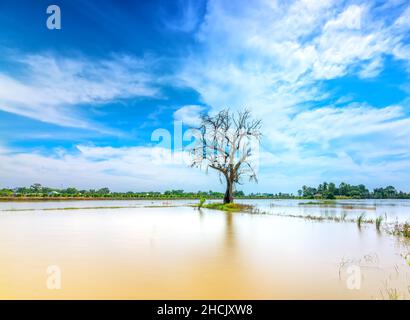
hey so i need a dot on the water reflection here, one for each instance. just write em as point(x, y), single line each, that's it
point(229, 244)
point(182, 252)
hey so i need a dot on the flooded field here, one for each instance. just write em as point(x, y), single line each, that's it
point(168, 250)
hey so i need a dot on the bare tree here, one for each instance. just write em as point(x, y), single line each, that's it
point(226, 143)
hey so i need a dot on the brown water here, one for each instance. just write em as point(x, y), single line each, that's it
point(183, 253)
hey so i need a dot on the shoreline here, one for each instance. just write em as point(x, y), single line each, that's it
point(45, 199)
point(38, 199)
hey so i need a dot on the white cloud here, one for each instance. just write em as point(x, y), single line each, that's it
point(189, 115)
point(272, 57)
point(351, 18)
point(121, 169)
point(404, 20)
point(272, 51)
point(328, 123)
point(372, 69)
point(49, 87)
point(154, 168)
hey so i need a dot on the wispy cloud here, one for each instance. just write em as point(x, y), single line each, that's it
point(271, 51)
point(50, 87)
point(125, 168)
point(274, 56)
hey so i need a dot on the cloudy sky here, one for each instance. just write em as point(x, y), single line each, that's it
point(100, 102)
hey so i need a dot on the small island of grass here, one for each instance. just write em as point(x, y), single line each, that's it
point(229, 207)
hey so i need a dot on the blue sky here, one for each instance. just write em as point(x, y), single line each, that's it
point(80, 106)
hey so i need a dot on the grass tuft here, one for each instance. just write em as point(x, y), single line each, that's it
point(393, 294)
point(379, 221)
point(201, 202)
point(402, 229)
point(360, 219)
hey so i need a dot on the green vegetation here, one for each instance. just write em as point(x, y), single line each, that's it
point(325, 193)
point(346, 191)
point(402, 229)
point(38, 192)
point(360, 219)
point(230, 207)
point(201, 202)
point(379, 221)
point(334, 218)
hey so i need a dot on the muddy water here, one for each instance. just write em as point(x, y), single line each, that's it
point(179, 252)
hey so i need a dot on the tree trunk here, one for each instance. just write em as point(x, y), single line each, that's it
point(228, 198)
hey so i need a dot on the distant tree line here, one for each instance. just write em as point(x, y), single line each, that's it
point(323, 191)
point(37, 190)
point(344, 190)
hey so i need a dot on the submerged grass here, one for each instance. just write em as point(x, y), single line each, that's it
point(393, 294)
point(230, 207)
point(360, 219)
point(335, 204)
point(341, 218)
point(402, 229)
point(69, 208)
point(379, 221)
point(312, 203)
point(399, 229)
